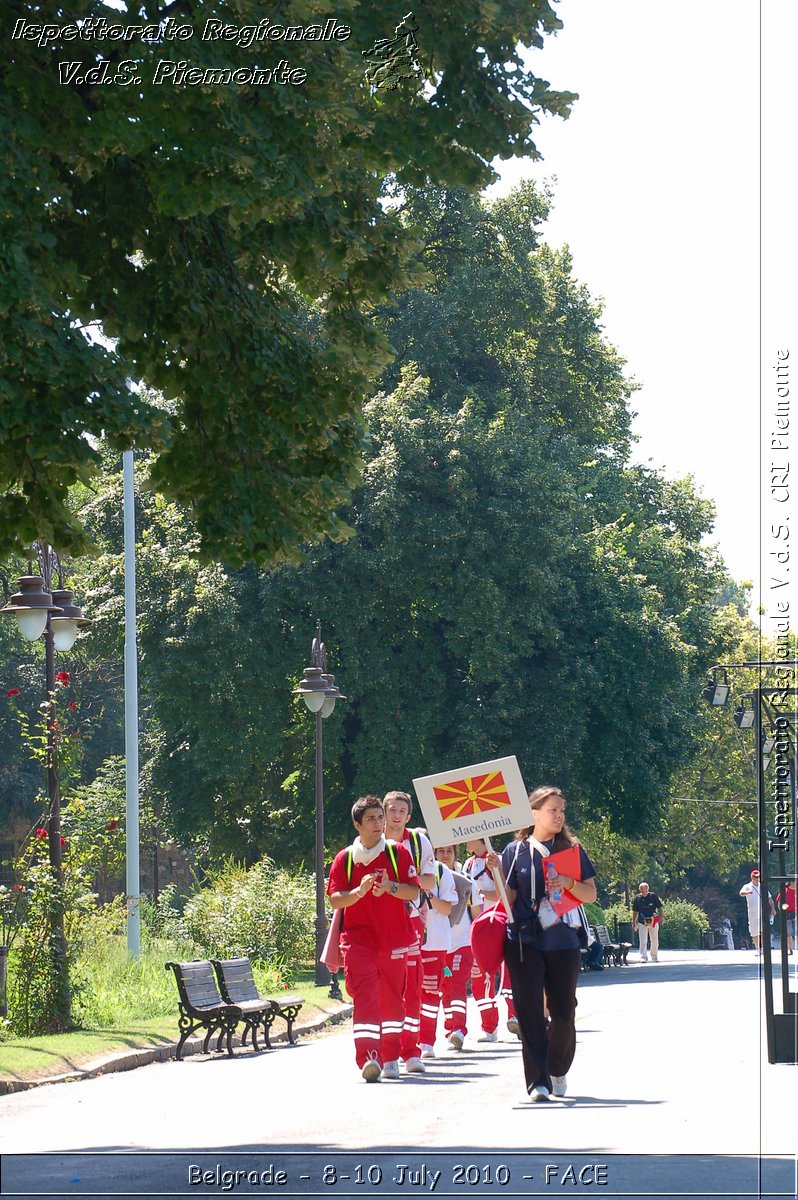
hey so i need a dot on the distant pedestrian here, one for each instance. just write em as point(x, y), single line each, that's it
point(787, 904)
point(753, 896)
point(371, 880)
point(725, 930)
point(544, 962)
point(647, 918)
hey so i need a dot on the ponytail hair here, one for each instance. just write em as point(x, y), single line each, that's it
point(537, 799)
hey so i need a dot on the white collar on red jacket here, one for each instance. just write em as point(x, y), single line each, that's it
point(364, 855)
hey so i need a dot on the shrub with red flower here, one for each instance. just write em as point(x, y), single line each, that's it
point(13, 692)
point(72, 706)
point(41, 834)
point(64, 678)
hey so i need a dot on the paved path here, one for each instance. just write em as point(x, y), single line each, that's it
point(670, 1090)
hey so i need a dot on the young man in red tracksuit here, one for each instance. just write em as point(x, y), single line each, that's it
point(371, 880)
point(483, 986)
point(398, 808)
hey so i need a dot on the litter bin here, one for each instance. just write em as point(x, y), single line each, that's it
point(708, 940)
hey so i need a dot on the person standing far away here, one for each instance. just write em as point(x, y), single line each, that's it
point(544, 962)
point(398, 810)
point(753, 897)
point(483, 987)
point(787, 903)
point(647, 918)
point(454, 988)
point(371, 880)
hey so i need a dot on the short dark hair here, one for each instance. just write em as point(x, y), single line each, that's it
point(362, 804)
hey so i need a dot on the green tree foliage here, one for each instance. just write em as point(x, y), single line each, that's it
point(513, 586)
point(193, 225)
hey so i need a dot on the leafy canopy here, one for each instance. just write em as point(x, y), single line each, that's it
point(193, 224)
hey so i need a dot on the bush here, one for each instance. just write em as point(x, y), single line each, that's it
point(595, 914)
point(682, 926)
point(265, 913)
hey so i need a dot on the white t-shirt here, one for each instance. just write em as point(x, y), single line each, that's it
point(420, 910)
point(438, 927)
point(476, 869)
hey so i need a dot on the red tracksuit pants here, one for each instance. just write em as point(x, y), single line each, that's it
point(454, 989)
point(375, 980)
point(433, 963)
point(412, 999)
point(484, 992)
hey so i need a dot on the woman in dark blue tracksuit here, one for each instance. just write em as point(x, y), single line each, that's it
point(544, 963)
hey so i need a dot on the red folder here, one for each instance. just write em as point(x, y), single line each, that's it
point(567, 862)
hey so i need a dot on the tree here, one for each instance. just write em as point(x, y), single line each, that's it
point(194, 224)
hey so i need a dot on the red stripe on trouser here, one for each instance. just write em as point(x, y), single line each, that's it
point(375, 981)
point(432, 964)
point(410, 1047)
point(483, 993)
point(454, 988)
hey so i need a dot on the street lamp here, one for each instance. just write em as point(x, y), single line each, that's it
point(40, 610)
point(319, 692)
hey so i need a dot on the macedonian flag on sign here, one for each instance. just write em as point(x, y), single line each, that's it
point(465, 797)
point(473, 802)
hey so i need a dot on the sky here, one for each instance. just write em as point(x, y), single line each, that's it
point(656, 194)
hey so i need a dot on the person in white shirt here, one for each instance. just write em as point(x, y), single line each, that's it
point(753, 896)
point(483, 988)
point(398, 809)
point(437, 944)
point(459, 960)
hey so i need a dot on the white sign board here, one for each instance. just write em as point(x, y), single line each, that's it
point(473, 802)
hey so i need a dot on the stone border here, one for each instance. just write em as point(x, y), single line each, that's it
point(129, 1060)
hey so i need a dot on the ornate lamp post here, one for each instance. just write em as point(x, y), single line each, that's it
point(319, 692)
point(42, 610)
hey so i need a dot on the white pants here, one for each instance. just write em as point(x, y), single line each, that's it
point(648, 932)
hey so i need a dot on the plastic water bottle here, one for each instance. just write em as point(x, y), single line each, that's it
point(555, 893)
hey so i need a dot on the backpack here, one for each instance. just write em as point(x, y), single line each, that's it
point(390, 850)
point(463, 886)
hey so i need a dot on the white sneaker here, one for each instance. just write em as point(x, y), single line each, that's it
point(414, 1066)
point(513, 1026)
point(390, 1070)
point(559, 1085)
point(537, 1094)
point(371, 1071)
point(456, 1040)
point(427, 1051)
point(490, 1037)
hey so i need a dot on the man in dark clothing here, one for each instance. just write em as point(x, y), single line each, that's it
point(647, 917)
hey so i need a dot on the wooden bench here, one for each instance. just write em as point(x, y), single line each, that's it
point(238, 987)
point(201, 1006)
point(614, 952)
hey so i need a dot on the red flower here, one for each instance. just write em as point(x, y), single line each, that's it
point(41, 834)
point(72, 706)
point(13, 692)
point(63, 841)
point(64, 678)
point(112, 825)
point(18, 887)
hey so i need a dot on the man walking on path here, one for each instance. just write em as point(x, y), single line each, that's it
point(647, 917)
point(753, 897)
point(398, 808)
point(371, 880)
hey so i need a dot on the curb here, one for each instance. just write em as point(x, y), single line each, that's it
point(129, 1060)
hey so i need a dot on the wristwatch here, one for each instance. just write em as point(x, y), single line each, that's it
point(394, 888)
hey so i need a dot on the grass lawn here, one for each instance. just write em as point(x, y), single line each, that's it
point(58, 1054)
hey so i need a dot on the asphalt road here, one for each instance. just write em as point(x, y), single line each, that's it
point(670, 1094)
